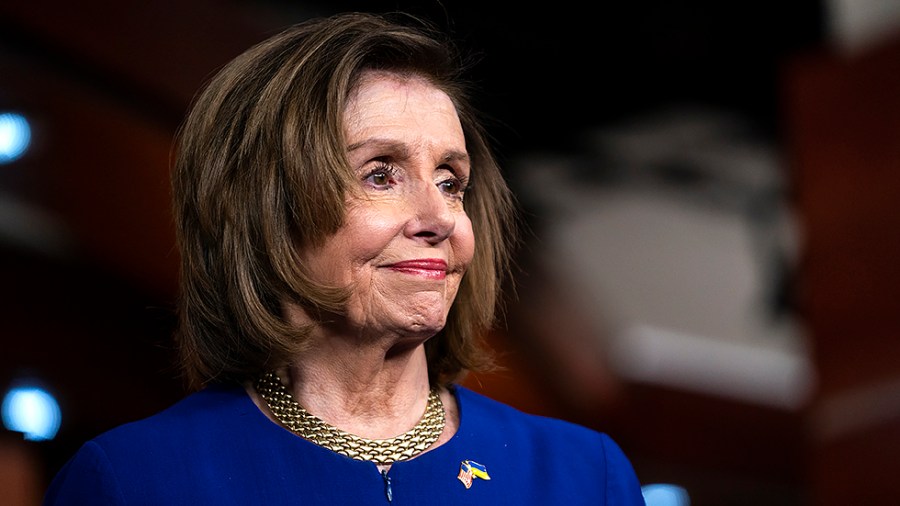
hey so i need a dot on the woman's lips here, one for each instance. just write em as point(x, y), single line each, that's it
point(431, 268)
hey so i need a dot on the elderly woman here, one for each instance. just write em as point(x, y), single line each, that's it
point(344, 232)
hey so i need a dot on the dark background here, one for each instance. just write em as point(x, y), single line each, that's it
point(90, 270)
point(549, 72)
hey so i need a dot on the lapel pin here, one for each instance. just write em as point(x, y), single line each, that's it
point(469, 470)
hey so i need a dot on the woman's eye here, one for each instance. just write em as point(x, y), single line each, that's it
point(382, 177)
point(451, 186)
point(454, 187)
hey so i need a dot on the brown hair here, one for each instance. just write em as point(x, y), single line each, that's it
point(261, 173)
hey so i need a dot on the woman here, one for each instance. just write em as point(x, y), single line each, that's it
point(344, 232)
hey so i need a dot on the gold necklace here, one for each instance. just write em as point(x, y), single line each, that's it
point(381, 451)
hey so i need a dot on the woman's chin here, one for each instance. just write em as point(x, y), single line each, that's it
point(419, 327)
point(417, 316)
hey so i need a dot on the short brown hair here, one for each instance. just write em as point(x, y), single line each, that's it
point(261, 173)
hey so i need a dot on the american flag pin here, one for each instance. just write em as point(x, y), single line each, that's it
point(469, 470)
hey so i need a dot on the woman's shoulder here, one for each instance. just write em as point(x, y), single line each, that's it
point(490, 418)
point(484, 410)
point(567, 454)
point(193, 415)
point(159, 448)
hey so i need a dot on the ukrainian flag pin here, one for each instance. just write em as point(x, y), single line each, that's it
point(469, 469)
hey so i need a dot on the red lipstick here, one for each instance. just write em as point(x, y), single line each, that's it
point(431, 268)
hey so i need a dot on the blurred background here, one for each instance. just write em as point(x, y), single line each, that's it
point(711, 190)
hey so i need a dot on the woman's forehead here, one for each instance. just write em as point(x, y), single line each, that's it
point(388, 107)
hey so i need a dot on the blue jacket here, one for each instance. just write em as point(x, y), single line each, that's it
point(216, 448)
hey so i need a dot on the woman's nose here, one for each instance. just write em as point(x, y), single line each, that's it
point(431, 218)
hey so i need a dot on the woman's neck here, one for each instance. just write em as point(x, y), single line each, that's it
point(373, 388)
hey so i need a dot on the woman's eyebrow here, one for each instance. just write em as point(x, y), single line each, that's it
point(456, 156)
point(389, 145)
point(402, 151)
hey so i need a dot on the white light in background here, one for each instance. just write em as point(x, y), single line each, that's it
point(15, 135)
point(682, 277)
point(662, 494)
point(32, 411)
point(856, 25)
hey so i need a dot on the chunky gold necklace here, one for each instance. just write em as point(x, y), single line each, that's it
point(381, 451)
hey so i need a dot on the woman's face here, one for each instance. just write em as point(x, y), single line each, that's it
point(407, 240)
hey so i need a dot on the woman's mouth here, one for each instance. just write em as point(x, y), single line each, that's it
point(431, 268)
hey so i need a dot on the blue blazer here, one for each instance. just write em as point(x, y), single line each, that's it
point(216, 448)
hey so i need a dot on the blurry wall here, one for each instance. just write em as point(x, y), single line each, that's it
point(844, 121)
point(709, 189)
point(88, 265)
